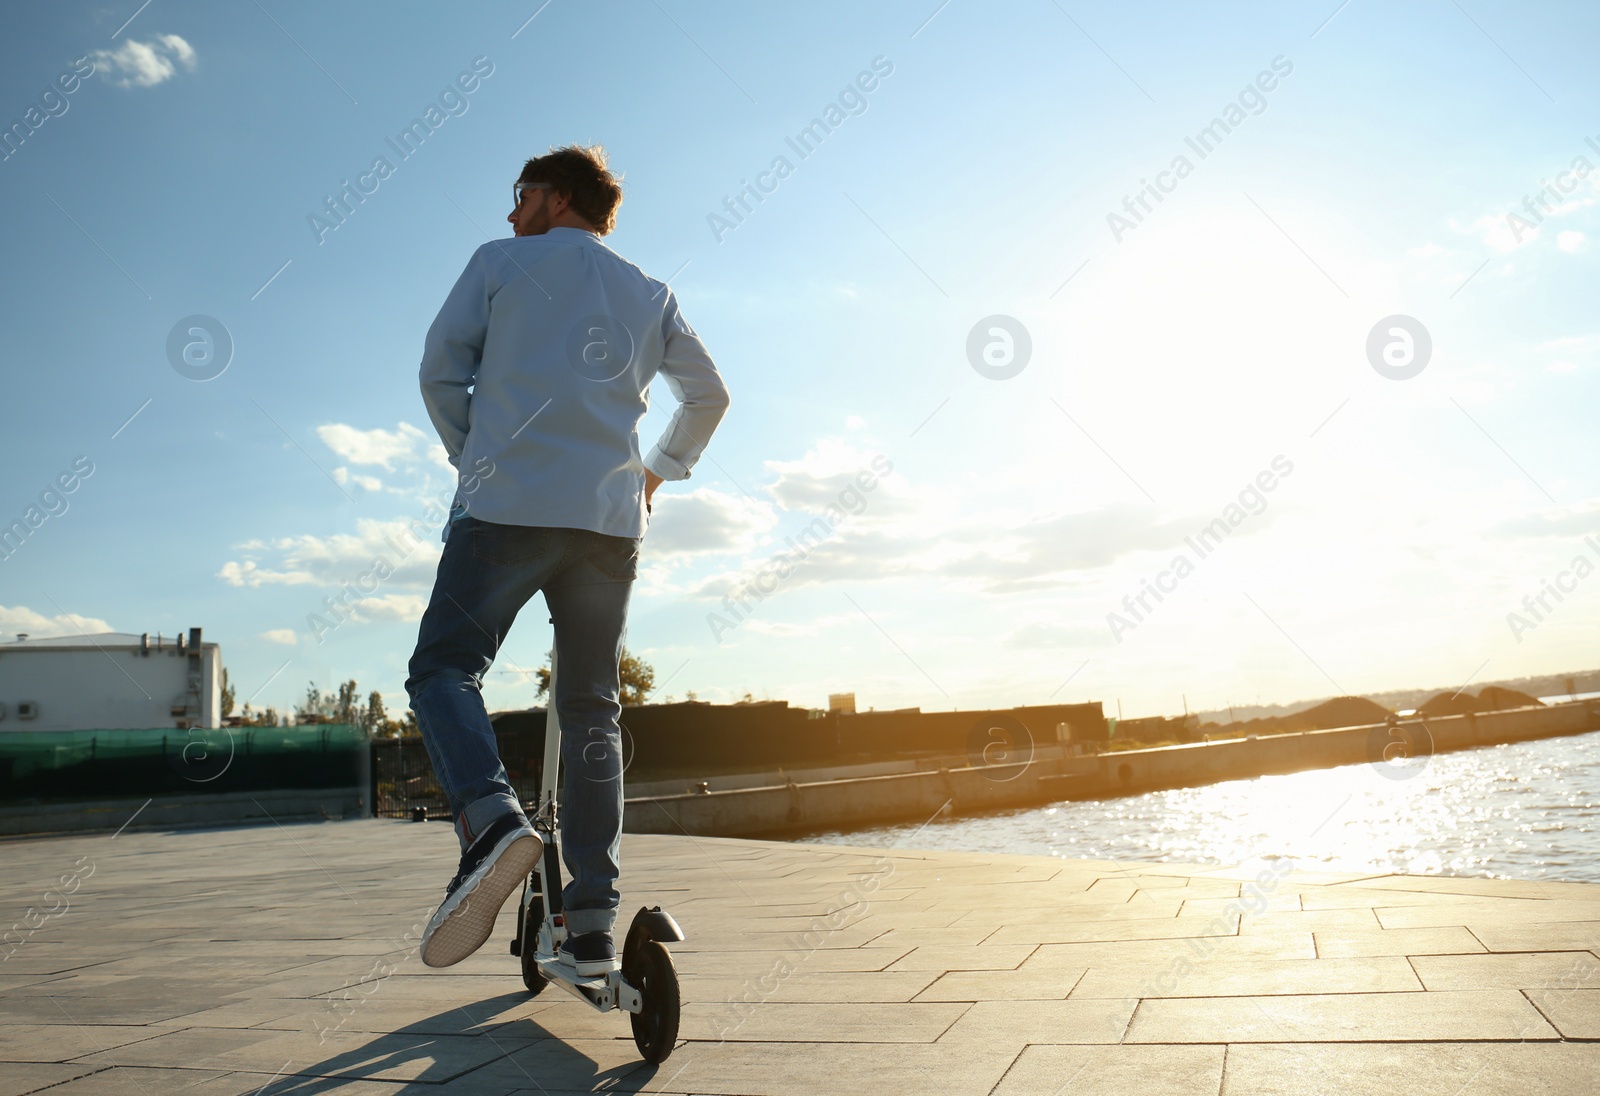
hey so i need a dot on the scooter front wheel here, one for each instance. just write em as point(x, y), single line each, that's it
point(655, 1027)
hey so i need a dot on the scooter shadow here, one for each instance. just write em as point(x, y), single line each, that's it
point(526, 1055)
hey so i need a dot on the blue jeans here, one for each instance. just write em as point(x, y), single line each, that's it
point(487, 573)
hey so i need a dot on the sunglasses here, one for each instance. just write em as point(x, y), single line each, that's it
point(518, 189)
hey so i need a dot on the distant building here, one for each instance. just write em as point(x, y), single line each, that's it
point(843, 703)
point(110, 681)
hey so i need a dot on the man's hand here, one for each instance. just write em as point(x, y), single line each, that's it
point(651, 482)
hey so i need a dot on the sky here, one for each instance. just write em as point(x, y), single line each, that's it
point(1071, 282)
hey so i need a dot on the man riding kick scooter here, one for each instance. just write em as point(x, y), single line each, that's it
point(536, 374)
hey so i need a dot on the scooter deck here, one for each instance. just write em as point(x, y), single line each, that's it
point(557, 971)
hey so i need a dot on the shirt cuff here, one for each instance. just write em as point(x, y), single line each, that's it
point(665, 467)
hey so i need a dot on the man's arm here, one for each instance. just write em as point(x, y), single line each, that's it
point(450, 356)
point(702, 401)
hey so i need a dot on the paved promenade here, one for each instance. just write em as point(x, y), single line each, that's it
point(275, 960)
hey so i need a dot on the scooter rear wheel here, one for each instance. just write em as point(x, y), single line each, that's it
point(655, 1027)
point(532, 918)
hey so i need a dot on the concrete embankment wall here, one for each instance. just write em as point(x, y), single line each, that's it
point(798, 806)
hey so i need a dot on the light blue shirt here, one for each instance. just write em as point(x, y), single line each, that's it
point(558, 338)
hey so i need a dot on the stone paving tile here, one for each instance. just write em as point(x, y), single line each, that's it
point(1352, 943)
point(1154, 954)
point(132, 1081)
point(573, 1065)
point(1558, 936)
point(1450, 910)
point(1009, 985)
point(1428, 1016)
point(1275, 903)
point(1146, 880)
point(833, 1022)
point(1024, 903)
point(1416, 1069)
point(1248, 978)
point(1120, 886)
point(456, 1017)
point(30, 960)
point(1575, 1013)
point(1353, 920)
point(432, 982)
point(273, 1012)
point(137, 983)
point(908, 938)
point(21, 1079)
point(1069, 931)
point(566, 1017)
point(984, 957)
point(809, 1069)
point(756, 963)
point(803, 937)
point(1357, 897)
point(1466, 884)
point(1048, 917)
point(411, 1057)
point(1510, 970)
point(1114, 1071)
point(38, 1043)
point(112, 1010)
point(812, 987)
point(1017, 1023)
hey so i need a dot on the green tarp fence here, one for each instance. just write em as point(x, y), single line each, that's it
point(68, 765)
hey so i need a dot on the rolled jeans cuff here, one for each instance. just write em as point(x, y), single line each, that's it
point(480, 814)
point(590, 920)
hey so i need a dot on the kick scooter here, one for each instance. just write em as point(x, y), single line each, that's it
point(646, 986)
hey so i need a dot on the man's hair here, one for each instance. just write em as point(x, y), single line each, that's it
point(580, 173)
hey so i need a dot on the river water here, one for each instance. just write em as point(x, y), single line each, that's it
point(1528, 810)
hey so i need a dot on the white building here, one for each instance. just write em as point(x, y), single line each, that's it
point(109, 681)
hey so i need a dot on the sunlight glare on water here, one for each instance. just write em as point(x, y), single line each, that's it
point(1522, 811)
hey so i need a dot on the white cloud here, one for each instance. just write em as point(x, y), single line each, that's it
point(706, 520)
point(1571, 241)
point(145, 64)
point(249, 574)
point(410, 550)
point(285, 636)
point(342, 476)
point(1499, 232)
point(402, 607)
point(830, 474)
point(20, 619)
point(382, 447)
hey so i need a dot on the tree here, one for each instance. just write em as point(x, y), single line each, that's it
point(374, 719)
point(314, 708)
point(227, 694)
point(638, 679)
point(636, 676)
point(252, 718)
point(346, 710)
point(341, 707)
